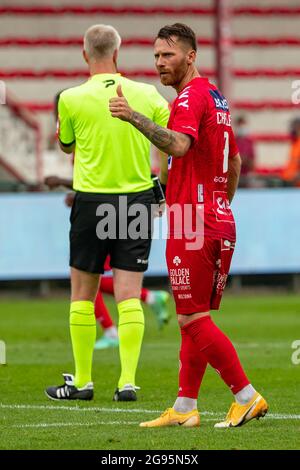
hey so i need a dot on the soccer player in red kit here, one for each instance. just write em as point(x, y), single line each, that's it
point(204, 167)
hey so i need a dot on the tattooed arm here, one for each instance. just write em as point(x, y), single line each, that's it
point(171, 142)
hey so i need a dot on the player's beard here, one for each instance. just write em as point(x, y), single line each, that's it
point(166, 79)
point(174, 78)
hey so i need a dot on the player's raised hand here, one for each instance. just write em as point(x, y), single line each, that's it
point(120, 92)
point(119, 106)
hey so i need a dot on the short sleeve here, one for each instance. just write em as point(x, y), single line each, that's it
point(161, 109)
point(189, 109)
point(65, 130)
point(233, 148)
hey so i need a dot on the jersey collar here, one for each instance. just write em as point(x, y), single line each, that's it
point(100, 76)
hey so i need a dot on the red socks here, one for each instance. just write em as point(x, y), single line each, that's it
point(144, 294)
point(101, 312)
point(191, 368)
point(107, 285)
point(218, 351)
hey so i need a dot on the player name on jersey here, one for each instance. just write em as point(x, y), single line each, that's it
point(224, 118)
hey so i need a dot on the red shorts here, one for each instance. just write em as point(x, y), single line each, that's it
point(198, 277)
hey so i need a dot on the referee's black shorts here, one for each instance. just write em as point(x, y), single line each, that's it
point(88, 252)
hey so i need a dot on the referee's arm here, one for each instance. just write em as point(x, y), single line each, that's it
point(67, 148)
point(65, 131)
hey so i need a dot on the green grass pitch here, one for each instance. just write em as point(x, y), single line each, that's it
point(263, 329)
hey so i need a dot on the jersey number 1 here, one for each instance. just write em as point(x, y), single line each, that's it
point(226, 152)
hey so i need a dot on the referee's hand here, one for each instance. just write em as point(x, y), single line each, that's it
point(119, 106)
point(52, 182)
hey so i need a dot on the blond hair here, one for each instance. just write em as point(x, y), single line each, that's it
point(100, 41)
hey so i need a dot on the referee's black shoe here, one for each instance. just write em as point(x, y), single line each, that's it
point(68, 391)
point(127, 393)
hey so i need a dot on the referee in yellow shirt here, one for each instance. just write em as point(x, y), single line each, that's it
point(112, 178)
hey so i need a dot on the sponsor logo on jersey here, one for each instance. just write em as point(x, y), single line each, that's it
point(109, 83)
point(220, 179)
point(141, 261)
point(221, 207)
point(180, 278)
point(177, 260)
point(189, 127)
point(183, 98)
point(227, 245)
point(200, 193)
point(219, 99)
point(221, 283)
point(184, 296)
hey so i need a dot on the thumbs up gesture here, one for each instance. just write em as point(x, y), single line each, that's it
point(119, 106)
point(119, 91)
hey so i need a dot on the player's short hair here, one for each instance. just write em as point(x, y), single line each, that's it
point(179, 30)
point(100, 41)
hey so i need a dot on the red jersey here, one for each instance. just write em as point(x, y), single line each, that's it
point(199, 178)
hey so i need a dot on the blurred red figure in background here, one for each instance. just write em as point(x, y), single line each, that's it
point(247, 152)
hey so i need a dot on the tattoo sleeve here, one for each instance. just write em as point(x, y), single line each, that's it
point(164, 139)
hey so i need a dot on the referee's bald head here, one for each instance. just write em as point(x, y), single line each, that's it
point(101, 41)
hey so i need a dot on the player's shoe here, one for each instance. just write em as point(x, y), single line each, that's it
point(160, 308)
point(170, 417)
point(127, 393)
point(68, 391)
point(105, 343)
point(242, 414)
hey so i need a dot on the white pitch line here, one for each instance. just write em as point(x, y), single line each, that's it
point(53, 425)
point(77, 408)
point(281, 416)
point(132, 410)
point(118, 423)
